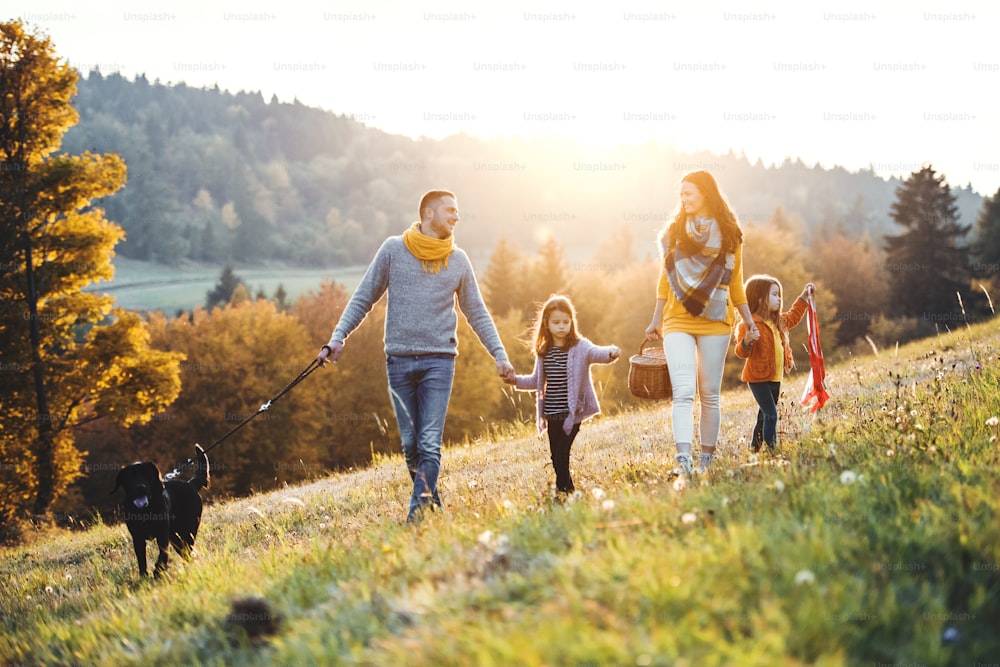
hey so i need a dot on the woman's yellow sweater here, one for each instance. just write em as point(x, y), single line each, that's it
point(676, 318)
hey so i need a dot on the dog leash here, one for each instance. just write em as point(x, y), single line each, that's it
point(315, 364)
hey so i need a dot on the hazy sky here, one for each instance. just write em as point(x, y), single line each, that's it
point(888, 84)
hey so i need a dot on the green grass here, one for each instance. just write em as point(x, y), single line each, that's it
point(876, 540)
point(144, 286)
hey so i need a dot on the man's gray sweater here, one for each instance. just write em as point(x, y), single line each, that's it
point(420, 313)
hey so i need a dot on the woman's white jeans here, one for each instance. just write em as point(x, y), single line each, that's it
point(696, 365)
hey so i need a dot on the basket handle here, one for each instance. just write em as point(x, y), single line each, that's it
point(645, 342)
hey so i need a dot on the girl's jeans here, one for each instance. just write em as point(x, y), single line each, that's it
point(560, 443)
point(766, 430)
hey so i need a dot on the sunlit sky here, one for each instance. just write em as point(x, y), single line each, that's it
point(887, 84)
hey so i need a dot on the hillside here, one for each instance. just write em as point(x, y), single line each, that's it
point(874, 541)
point(217, 177)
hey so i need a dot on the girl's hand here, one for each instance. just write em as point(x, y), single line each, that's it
point(653, 331)
point(808, 290)
point(615, 352)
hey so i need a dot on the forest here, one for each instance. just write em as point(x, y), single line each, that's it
point(229, 178)
point(175, 175)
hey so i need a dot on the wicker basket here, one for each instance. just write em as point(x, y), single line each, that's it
point(647, 373)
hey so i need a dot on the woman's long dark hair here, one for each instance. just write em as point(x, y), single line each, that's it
point(673, 233)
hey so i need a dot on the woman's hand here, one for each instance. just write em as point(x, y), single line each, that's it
point(655, 329)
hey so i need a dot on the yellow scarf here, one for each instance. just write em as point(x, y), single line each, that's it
point(429, 250)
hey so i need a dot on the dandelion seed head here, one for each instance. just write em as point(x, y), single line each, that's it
point(848, 477)
point(485, 537)
point(779, 486)
point(49, 589)
point(598, 493)
point(804, 577)
point(508, 505)
point(993, 421)
point(608, 505)
point(680, 483)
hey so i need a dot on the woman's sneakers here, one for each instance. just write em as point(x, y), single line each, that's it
point(685, 465)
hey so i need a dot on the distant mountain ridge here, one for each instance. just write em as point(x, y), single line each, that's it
point(220, 177)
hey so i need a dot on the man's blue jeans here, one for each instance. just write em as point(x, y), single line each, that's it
point(420, 388)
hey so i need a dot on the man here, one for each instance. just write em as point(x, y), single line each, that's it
point(423, 271)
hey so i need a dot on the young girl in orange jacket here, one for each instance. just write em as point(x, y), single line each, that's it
point(768, 353)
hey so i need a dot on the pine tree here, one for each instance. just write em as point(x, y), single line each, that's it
point(67, 356)
point(501, 281)
point(223, 290)
point(926, 265)
point(986, 248)
point(550, 275)
point(281, 298)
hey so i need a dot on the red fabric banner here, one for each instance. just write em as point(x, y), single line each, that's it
point(815, 388)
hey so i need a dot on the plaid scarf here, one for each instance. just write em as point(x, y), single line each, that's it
point(700, 278)
point(432, 252)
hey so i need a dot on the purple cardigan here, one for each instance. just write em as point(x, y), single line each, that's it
point(580, 387)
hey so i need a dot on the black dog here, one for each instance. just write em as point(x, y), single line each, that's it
point(169, 512)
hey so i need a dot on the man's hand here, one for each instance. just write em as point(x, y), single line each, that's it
point(505, 371)
point(330, 353)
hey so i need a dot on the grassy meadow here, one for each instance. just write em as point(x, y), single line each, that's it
point(145, 286)
point(874, 540)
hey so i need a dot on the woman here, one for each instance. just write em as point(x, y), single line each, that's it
point(700, 285)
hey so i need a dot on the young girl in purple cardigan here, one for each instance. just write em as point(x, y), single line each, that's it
point(561, 380)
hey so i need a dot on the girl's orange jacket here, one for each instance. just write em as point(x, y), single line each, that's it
point(759, 366)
